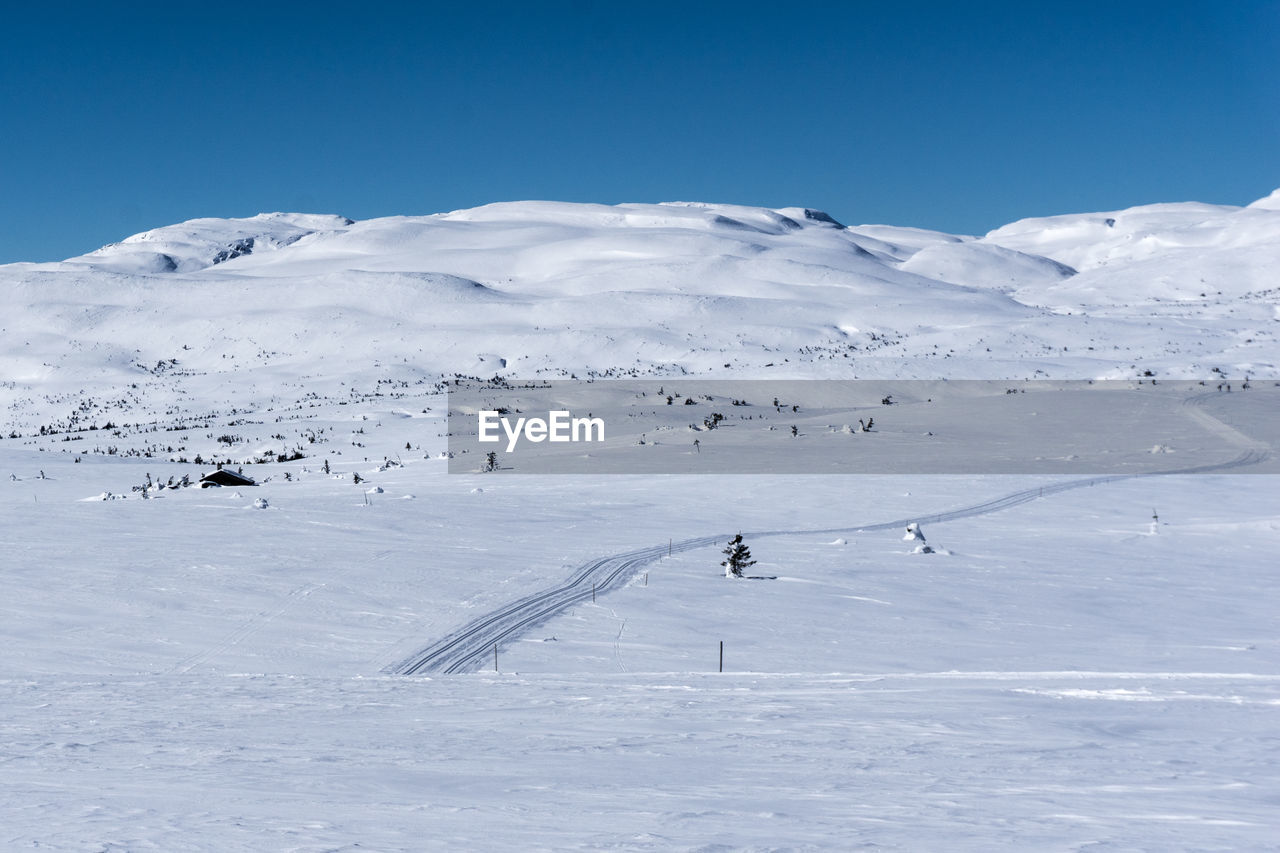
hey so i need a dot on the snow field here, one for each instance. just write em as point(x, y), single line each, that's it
point(652, 762)
point(195, 671)
point(205, 670)
point(1075, 581)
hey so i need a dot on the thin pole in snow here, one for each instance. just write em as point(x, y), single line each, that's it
point(495, 657)
point(593, 593)
point(669, 547)
point(722, 655)
point(646, 578)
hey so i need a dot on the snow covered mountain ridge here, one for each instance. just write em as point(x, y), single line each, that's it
point(277, 308)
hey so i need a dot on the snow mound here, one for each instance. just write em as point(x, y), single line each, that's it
point(1154, 253)
point(1084, 241)
point(985, 265)
point(1269, 202)
point(202, 243)
point(676, 214)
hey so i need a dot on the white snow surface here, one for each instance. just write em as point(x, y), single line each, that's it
point(277, 307)
point(209, 669)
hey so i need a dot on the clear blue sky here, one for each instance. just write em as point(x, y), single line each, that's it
point(115, 118)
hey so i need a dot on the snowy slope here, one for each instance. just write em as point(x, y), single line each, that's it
point(210, 669)
point(246, 308)
point(197, 672)
point(203, 243)
point(1194, 254)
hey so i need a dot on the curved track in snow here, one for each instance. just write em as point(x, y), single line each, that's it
point(467, 647)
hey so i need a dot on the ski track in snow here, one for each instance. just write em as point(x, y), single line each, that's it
point(464, 649)
point(1193, 406)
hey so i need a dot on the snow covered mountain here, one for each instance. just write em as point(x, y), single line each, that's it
point(1078, 664)
point(277, 308)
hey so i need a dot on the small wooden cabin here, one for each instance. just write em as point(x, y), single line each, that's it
point(225, 477)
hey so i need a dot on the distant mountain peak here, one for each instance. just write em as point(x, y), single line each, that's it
point(202, 243)
point(1270, 202)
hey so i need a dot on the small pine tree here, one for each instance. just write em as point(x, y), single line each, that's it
point(491, 461)
point(737, 557)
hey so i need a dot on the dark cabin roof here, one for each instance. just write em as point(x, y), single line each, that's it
point(225, 477)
